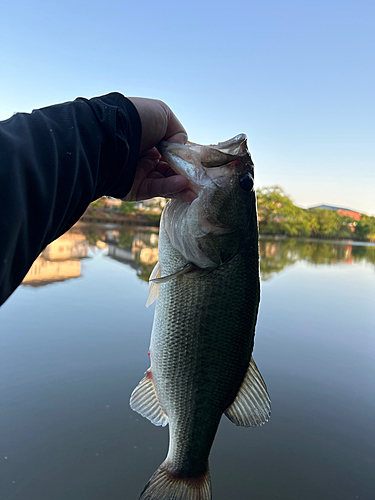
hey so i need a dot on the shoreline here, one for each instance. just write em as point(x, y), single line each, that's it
point(94, 215)
point(142, 222)
point(341, 241)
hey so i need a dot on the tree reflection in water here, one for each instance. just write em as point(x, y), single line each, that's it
point(278, 253)
point(138, 247)
point(275, 253)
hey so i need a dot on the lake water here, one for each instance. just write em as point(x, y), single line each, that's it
point(73, 345)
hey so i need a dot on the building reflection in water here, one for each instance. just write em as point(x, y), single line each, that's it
point(59, 261)
point(138, 248)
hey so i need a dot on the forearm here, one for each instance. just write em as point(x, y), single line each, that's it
point(53, 163)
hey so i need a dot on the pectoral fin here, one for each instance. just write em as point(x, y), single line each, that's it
point(252, 405)
point(153, 288)
point(156, 279)
point(182, 270)
point(145, 401)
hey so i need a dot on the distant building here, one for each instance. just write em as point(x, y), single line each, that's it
point(110, 202)
point(344, 212)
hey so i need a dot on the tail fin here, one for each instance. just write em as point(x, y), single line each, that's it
point(164, 485)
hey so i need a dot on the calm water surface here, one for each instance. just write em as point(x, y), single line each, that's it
point(73, 345)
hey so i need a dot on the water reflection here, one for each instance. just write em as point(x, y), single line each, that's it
point(134, 247)
point(73, 355)
point(277, 254)
point(138, 248)
point(59, 261)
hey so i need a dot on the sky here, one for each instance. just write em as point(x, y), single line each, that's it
point(298, 77)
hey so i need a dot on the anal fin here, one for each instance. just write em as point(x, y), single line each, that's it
point(144, 400)
point(252, 405)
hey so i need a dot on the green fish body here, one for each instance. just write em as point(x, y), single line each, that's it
point(207, 288)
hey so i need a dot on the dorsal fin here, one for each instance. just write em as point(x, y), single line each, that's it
point(252, 405)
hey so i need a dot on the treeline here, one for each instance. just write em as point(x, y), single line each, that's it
point(278, 215)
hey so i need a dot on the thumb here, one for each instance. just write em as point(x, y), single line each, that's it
point(158, 123)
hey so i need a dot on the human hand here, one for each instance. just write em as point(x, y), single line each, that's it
point(154, 177)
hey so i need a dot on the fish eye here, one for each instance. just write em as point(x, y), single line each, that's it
point(246, 182)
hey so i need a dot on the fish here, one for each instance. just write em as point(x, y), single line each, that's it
point(207, 289)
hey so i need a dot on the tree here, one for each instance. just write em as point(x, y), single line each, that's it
point(278, 215)
point(127, 207)
point(323, 222)
point(365, 228)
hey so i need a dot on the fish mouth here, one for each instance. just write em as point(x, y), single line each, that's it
point(217, 155)
point(204, 164)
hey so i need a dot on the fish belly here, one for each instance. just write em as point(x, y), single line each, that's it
point(201, 346)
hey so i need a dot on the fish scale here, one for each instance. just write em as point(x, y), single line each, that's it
point(204, 324)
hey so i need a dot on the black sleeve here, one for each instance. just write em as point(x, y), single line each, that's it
point(53, 163)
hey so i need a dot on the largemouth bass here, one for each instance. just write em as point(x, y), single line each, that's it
point(207, 288)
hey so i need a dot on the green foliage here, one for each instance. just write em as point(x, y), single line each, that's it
point(365, 228)
point(99, 203)
point(329, 223)
point(93, 235)
point(153, 217)
point(127, 207)
point(278, 215)
point(126, 239)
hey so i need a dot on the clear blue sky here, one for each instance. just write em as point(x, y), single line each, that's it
point(298, 77)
